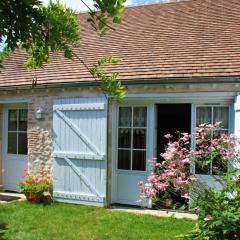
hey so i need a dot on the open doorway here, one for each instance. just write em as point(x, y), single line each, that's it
point(170, 119)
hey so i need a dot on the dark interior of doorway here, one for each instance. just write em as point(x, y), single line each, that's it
point(170, 119)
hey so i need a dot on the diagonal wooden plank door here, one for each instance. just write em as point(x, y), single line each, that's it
point(80, 135)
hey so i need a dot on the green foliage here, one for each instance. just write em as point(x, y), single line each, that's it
point(219, 211)
point(109, 83)
point(38, 29)
point(20, 21)
point(106, 9)
point(3, 54)
point(61, 34)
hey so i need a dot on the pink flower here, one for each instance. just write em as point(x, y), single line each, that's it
point(186, 160)
point(152, 179)
point(230, 155)
point(161, 186)
point(152, 162)
point(211, 149)
point(168, 136)
point(140, 184)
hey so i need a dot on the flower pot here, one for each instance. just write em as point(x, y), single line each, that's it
point(34, 197)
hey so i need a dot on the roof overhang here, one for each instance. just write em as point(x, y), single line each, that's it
point(132, 82)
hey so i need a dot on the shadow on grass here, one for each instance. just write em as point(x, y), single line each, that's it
point(3, 228)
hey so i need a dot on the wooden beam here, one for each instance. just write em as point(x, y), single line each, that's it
point(76, 155)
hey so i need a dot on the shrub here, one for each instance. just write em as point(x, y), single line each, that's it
point(215, 147)
point(170, 182)
point(219, 212)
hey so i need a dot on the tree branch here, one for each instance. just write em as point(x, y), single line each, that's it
point(89, 70)
point(94, 13)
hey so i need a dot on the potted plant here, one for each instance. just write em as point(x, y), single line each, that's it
point(34, 187)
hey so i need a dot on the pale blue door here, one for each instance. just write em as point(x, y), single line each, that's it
point(80, 131)
point(131, 158)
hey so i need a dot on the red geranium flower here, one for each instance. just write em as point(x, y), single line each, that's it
point(30, 182)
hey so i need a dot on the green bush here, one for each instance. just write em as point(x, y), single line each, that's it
point(219, 212)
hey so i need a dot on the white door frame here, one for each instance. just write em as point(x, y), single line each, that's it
point(5, 155)
point(151, 100)
point(149, 142)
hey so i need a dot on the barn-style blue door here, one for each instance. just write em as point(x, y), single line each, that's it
point(80, 132)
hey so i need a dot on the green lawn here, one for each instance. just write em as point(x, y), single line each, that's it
point(26, 221)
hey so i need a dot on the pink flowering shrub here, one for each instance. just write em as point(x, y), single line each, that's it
point(213, 147)
point(171, 179)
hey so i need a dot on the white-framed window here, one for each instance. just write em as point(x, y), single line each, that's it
point(132, 138)
point(17, 131)
point(211, 114)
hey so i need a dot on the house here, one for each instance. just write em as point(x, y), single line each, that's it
point(181, 67)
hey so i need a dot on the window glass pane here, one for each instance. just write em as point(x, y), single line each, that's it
point(139, 138)
point(220, 114)
point(124, 159)
point(124, 137)
point(139, 116)
point(22, 120)
point(12, 120)
point(139, 160)
point(22, 143)
point(12, 143)
point(125, 116)
point(203, 115)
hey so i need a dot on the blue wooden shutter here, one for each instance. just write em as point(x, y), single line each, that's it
point(80, 134)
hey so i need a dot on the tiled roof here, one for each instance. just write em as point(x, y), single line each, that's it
point(196, 38)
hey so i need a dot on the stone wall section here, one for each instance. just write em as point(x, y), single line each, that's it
point(40, 140)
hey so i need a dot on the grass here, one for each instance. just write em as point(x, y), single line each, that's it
point(25, 221)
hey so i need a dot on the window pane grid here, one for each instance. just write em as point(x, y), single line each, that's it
point(18, 144)
point(136, 161)
point(209, 169)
